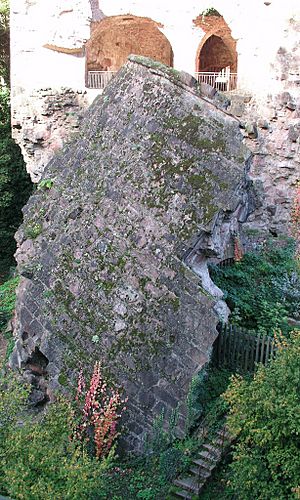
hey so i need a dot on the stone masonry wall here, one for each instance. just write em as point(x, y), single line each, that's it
point(45, 121)
point(217, 26)
point(272, 133)
point(267, 65)
point(113, 253)
point(115, 38)
point(274, 139)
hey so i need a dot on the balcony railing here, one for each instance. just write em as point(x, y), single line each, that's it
point(99, 79)
point(223, 80)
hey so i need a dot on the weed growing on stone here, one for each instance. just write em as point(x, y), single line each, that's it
point(100, 409)
point(33, 231)
point(45, 184)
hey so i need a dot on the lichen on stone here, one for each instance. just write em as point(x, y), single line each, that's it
point(148, 179)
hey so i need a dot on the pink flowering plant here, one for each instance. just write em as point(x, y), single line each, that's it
point(238, 251)
point(295, 219)
point(100, 409)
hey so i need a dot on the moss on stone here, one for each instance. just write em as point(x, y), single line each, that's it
point(171, 73)
point(145, 169)
point(63, 379)
point(32, 230)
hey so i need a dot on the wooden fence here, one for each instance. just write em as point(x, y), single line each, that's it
point(240, 350)
point(226, 262)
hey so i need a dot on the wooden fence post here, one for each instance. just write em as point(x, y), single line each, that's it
point(240, 349)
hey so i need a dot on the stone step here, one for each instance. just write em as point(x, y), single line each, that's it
point(183, 494)
point(199, 472)
point(206, 455)
point(220, 441)
point(213, 450)
point(190, 483)
point(204, 464)
point(224, 433)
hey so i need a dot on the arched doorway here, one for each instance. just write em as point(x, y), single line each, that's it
point(114, 38)
point(215, 55)
point(216, 60)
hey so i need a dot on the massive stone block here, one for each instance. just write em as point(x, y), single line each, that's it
point(115, 243)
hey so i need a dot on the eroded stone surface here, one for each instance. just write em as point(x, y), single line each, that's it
point(272, 133)
point(45, 122)
point(153, 187)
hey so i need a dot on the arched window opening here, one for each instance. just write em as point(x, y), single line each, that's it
point(216, 61)
point(114, 38)
point(215, 55)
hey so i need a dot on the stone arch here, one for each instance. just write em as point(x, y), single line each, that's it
point(114, 38)
point(217, 49)
point(215, 55)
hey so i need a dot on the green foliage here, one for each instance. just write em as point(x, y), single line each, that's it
point(45, 184)
point(33, 231)
point(150, 476)
point(4, 41)
point(219, 488)
point(38, 459)
point(210, 12)
point(266, 418)
point(160, 439)
point(146, 477)
point(15, 186)
point(259, 289)
point(134, 479)
point(7, 304)
point(13, 398)
point(171, 462)
point(195, 398)
point(203, 397)
point(7, 299)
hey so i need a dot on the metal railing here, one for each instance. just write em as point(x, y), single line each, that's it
point(223, 81)
point(99, 79)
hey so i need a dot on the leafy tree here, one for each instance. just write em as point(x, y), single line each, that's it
point(265, 416)
point(4, 41)
point(37, 457)
point(15, 186)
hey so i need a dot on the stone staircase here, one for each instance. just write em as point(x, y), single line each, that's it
point(190, 485)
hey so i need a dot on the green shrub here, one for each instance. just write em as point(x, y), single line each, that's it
point(4, 37)
point(15, 187)
point(7, 304)
point(195, 399)
point(203, 397)
point(159, 440)
point(210, 12)
point(13, 398)
point(171, 463)
point(265, 416)
point(7, 299)
point(33, 231)
point(262, 289)
point(37, 458)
